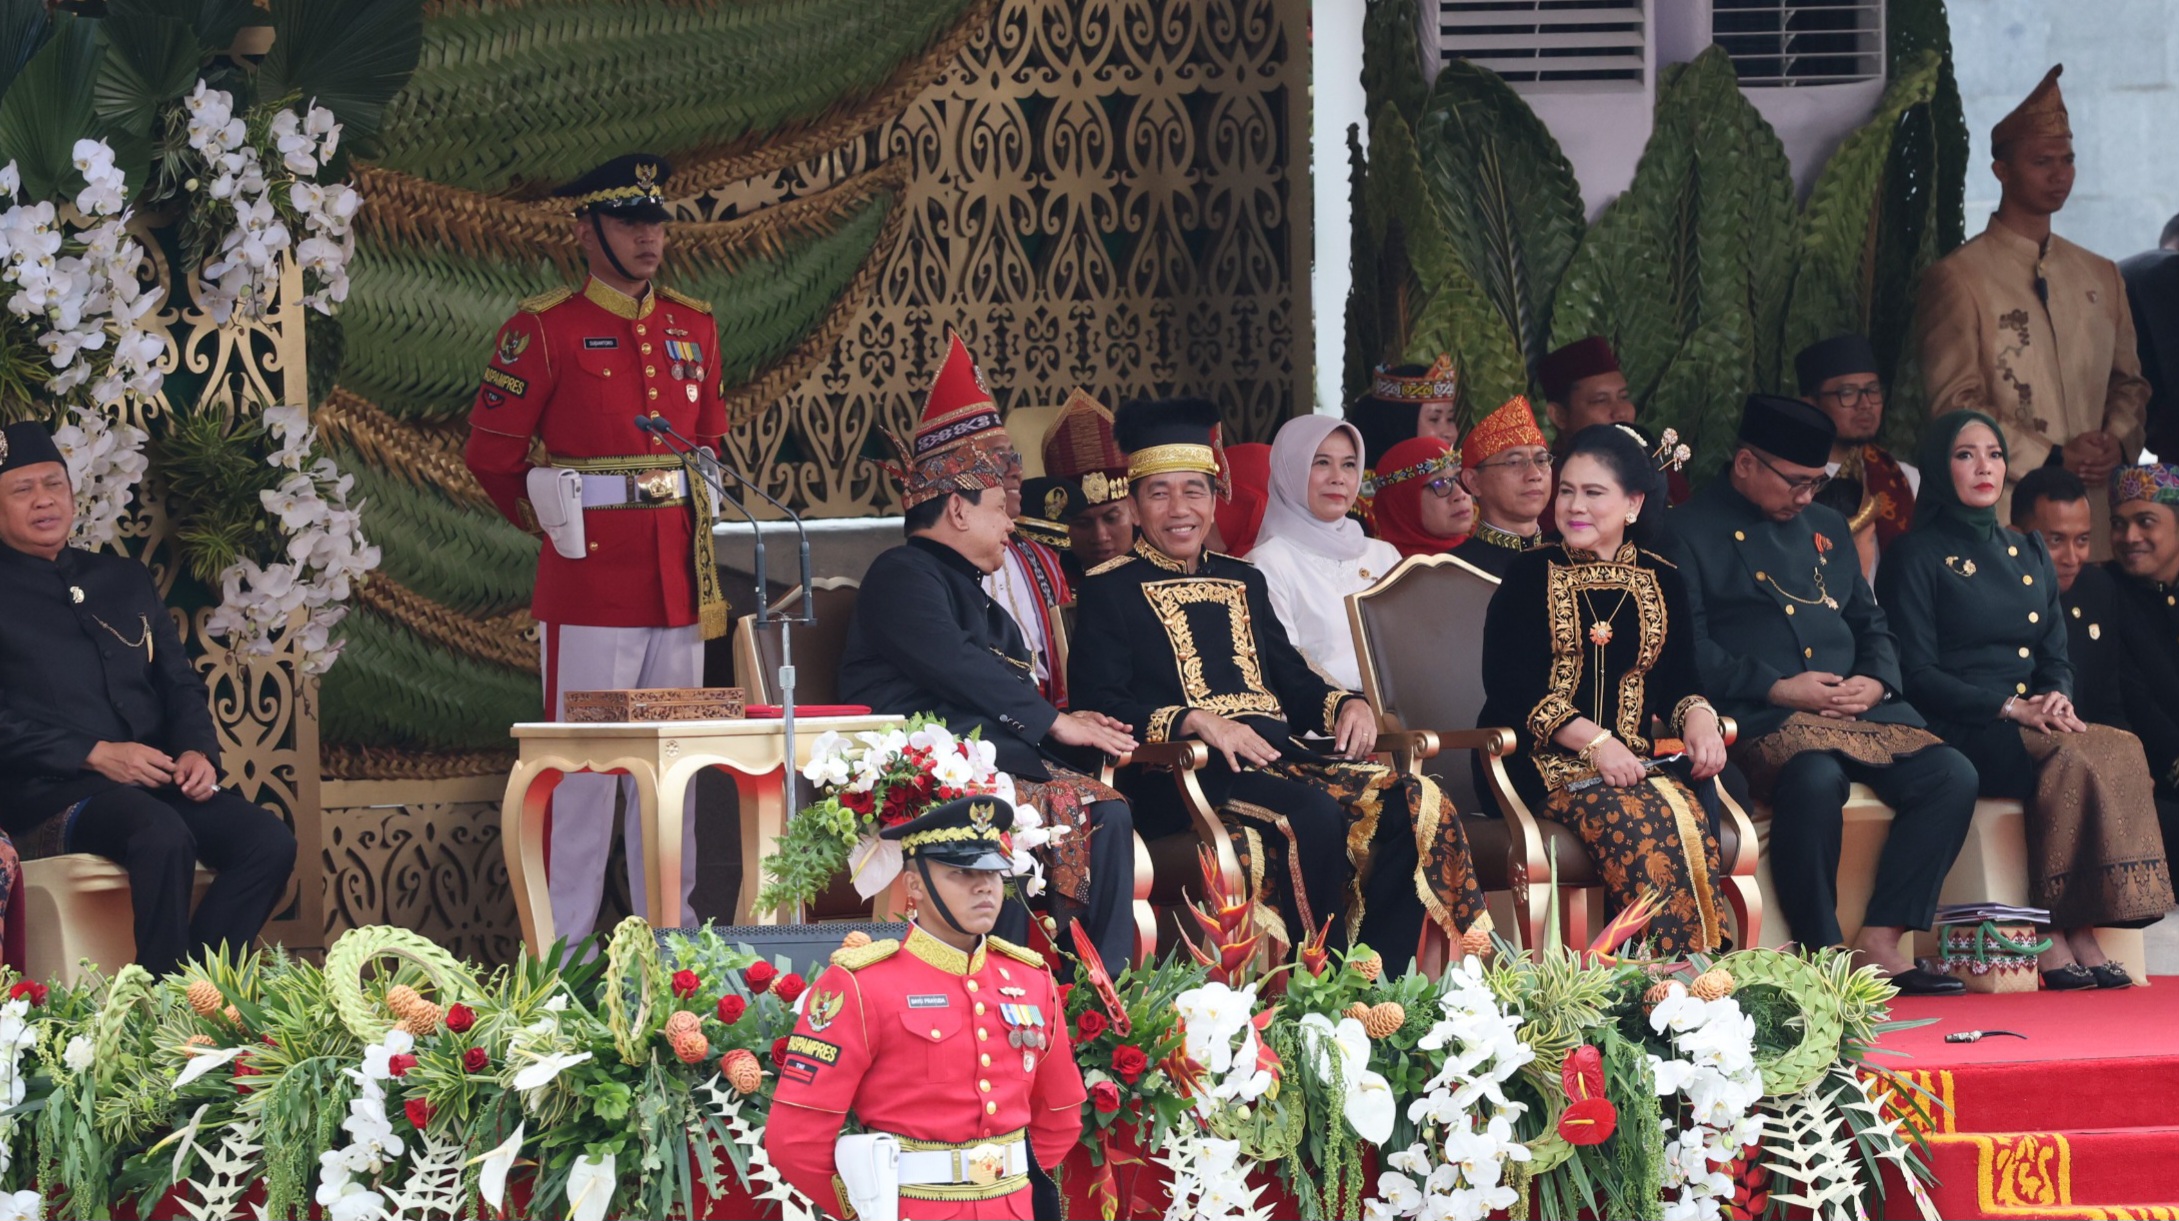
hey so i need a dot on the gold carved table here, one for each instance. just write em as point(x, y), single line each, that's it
point(662, 757)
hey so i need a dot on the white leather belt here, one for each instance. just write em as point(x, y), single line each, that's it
point(976, 1164)
point(634, 488)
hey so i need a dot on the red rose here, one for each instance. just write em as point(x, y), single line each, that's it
point(268, 1040)
point(1130, 1063)
point(1106, 1096)
point(788, 988)
point(1065, 991)
point(861, 803)
point(399, 1065)
point(759, 975)
point(243, 1068)
point(459, 1018)
point(419, 1112)
point(30, 988)
point(779, 1052)
point(731, 1007)
point(685, 983)
point(1089, 1025)
point(475, 1060)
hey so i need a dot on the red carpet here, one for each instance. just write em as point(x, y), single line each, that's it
point(2080, 1119)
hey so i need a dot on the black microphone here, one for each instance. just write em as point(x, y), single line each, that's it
point(661, 428)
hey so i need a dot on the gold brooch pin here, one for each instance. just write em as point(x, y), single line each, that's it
point(1960, 567)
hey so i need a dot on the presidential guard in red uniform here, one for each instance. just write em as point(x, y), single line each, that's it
point(952, 1041)
point(627, 590)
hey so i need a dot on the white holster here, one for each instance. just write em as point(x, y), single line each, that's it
point(869, 1167)
point(556, 496)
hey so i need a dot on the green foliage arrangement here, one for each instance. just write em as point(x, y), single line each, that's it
point(1705, 274)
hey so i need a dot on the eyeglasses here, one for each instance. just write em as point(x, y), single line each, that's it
point(1523, 463)
point(1807, 485)
point(1442, 487)
point(1852, 396)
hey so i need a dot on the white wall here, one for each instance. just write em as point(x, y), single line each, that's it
point(1336, 102)
point(2121, 88)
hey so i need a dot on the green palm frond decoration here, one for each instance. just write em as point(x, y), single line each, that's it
point(392, 689)
point(468, 561)
point(509, 95)
point(1506, 192)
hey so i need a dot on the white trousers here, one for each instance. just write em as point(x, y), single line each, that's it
point(582, 658)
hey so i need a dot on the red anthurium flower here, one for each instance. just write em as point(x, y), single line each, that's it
point(1588, 1122)
point(1583, 1073)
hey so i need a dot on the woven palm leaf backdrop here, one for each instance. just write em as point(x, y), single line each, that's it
point(1706, 274)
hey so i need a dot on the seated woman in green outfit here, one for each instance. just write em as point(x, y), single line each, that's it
point(1982, 650)
point(1586, 643)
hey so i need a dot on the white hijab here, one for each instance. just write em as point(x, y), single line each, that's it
point(1286, 514)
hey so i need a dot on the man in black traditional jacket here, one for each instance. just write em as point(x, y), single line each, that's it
point(105, 729)
point(1181, 642)
point(1792, 644)
point(927, 638)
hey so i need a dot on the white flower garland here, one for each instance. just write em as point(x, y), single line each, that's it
point(1211, 1017)
point(326, 554)
point(1715, 1070)
point(244, 271)
point(1456, 1173)
point(372, 1148)
point(105, 463)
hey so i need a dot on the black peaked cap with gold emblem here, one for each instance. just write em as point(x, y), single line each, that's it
point(1047, 505)
point(964, 833)
point(630, 187)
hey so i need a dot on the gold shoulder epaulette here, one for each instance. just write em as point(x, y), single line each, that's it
point(1022, 953)
point(855, 958)
point(1109, 565)
point(695, 303)
point(1660, 559)
point(544, 301)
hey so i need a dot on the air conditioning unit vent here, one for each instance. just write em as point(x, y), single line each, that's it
point(1782, 43)
point(1548, 42)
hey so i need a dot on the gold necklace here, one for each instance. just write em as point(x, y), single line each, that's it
point(142, 642)
point(1600, 634)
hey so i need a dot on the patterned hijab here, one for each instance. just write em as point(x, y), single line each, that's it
point(1939, 499)
point(1397, 510)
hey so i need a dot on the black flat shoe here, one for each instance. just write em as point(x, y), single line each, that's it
point(2071, 977)
point(2111, 975)
point(1917, 982)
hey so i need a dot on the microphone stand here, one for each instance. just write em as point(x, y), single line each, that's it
point(710, 468)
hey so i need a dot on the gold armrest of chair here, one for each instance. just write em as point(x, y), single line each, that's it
point(1184, 759)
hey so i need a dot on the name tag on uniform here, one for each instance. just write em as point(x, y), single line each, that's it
point(938, 1001)
point(606, 341)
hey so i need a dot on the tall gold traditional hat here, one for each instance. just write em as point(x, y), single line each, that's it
point(2042, 114)
point(1080, 450)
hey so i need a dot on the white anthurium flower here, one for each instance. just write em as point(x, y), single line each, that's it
point(546, 1069)
point(590, 1184)
point(201, 1061)
point(492, 1179)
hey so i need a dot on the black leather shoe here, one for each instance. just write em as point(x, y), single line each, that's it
point(1917, 982)
point(2111, 975)
point(2071, 977)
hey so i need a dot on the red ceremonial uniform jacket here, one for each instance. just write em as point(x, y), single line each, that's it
point(575, 369)
point(914, 1039)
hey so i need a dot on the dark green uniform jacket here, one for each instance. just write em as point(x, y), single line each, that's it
point(1773, 599)
point(1978, 621)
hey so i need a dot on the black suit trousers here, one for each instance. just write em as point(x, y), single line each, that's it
point(1932, 796)
point(158, 836)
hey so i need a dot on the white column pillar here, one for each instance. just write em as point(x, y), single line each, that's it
point(1336, 94)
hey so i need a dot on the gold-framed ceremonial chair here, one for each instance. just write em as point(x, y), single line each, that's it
point(1167, 867)
point(817, 646)
point(1418, 634)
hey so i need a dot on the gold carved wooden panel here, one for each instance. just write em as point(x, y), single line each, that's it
point(1105, 193)
point(420, 855)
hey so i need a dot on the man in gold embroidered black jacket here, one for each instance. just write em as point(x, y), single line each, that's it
point(1181, 642)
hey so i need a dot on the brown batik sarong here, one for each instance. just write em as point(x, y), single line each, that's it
point(1064, 800)
point(1445, 881)
point(2095, 852)
point(1651, 836)
point(1871, 742)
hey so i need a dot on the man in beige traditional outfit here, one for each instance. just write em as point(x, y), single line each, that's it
point(2030, 328)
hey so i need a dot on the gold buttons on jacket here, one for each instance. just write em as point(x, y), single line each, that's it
point(1739, 537)
point(2012, 551)
point(1808, 652)
point(985, 1086)
point(605, 373)
point(653, 392)
point(2027, 578)
point(984, 1059)
point(981, 1033)
point(1789, 610)
point(936, 1033)
point(650, 370)
point(972, 985)
point(991, 1108)
point(2024, 650)
point(646, 349)
point(1762, 576)
point(641, 331)
point(2022, 688)
point(979, 1008)
point(2033, 617)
